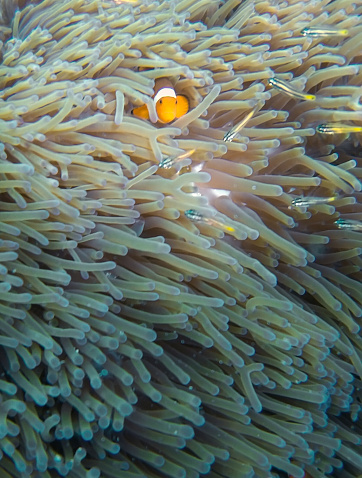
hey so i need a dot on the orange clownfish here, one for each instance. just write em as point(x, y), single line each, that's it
point(169, 106)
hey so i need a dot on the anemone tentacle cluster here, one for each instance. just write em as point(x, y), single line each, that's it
point(140, 341)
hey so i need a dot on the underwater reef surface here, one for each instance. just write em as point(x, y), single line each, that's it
point(180, 291)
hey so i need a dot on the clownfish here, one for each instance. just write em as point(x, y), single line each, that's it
point(169, 106)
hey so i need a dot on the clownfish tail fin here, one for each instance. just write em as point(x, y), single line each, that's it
point(141, 112)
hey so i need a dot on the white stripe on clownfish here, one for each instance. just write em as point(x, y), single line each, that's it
point(165, 100)
point(164, 92)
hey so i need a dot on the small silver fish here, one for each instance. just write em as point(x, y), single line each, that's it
point(168, 163)
point(312, 201)
point(338, 128)
point(193, 215)
point(349, 224)
point(289, 90)
point(196, 216)
point(324, 31)
point(230, 135)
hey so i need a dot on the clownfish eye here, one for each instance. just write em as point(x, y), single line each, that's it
point(160, 102)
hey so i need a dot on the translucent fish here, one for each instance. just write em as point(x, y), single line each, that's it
point(349, 224)
point(230, 135)
point(312, 201)
point(168, 163)
point(338, 128)
point(324, 31)
point(196, 216)
point(289, 90)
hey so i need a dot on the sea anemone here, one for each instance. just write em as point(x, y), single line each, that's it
point(197, 320)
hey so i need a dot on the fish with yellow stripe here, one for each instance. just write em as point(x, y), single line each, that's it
point(196, 216)
point(169, 105)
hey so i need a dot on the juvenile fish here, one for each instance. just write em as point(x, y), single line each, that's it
point(196, 216)
point(284, 87)
point(324, 31)
point(168, 163)
point(349, 224)
point(338, 128)
point(312, 201)
point(230, 135)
